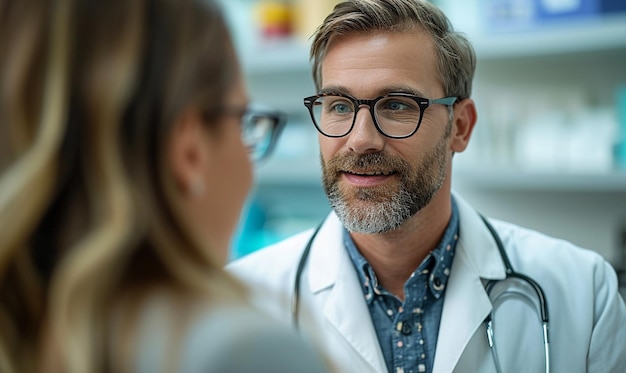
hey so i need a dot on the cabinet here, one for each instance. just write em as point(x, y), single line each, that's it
point(554, 80)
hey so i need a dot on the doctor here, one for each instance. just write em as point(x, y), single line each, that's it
point(403, 274)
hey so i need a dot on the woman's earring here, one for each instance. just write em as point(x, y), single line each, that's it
point(197, 188)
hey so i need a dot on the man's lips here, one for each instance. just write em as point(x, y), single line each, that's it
point(367, 179)
point(369, 173)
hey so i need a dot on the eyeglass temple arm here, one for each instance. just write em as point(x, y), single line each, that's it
point(448, 101)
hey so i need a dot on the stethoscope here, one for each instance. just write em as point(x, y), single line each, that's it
point(510, 274)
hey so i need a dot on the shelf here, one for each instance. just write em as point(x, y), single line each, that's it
point(276, 56)
point(283, 172)
point(580, 36)
point(306, 172)
point(279, 74)
point(513, 179)
point(295, 160)
point(288, 56)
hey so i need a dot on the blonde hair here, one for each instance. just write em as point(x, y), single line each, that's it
point(89, 91)
point(457, 59)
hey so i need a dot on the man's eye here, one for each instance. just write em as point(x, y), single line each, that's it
point(337, 105)
point(396, 105)
point(341, 108)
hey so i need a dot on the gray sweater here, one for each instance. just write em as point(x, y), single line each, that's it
point(226, 339)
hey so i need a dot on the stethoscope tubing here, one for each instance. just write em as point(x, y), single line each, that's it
point(510, 272)
point(295, 300)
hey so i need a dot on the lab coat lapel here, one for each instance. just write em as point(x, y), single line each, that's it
point(465, 307)
point(466, 303)
point(345, 309)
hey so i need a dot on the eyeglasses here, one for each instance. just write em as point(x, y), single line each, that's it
point(395, 115)
point(260, 129)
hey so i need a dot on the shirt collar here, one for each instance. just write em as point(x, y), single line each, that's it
point(438, 262)
point(443, 255)
point(364, 270)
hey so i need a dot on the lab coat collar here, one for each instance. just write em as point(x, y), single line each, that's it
point(346, 310)
point(326, 255)
point(478, 244)
point(479, 248)
point(345, 307)
point(466, 302)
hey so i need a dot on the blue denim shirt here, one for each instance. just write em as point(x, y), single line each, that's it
point(407, 331)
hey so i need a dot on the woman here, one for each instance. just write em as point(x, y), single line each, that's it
point(123, 173)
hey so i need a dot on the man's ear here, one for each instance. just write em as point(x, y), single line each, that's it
point(188, 155)
point(465, 117)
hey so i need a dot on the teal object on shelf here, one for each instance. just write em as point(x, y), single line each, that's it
point(620, 151)
point(252, 233)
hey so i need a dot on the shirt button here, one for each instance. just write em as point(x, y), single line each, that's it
point(406, 328)
point(437, 284)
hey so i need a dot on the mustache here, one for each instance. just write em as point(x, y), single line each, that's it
point(370, 162)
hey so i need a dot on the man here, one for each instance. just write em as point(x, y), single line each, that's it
point(404, 275)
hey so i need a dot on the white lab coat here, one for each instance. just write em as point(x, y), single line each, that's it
point(587, 314)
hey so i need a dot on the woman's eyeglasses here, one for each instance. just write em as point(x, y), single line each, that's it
point(260, 129)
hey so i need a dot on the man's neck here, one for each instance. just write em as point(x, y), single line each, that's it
point(395, 255)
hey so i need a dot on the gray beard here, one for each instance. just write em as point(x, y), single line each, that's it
point(381, 209)
point(374, 217)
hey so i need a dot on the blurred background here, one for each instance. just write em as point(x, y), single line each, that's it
point(549, 149)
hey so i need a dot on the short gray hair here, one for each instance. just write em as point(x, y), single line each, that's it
point(456, 56)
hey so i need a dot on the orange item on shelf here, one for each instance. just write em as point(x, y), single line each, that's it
point(275, 18)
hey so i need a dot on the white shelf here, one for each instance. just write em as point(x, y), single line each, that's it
point(307, 172)
point(295, 172)
point(295, 160)
point(514, 179)
point(279, 74)
point(579, 36)
point(276, 56)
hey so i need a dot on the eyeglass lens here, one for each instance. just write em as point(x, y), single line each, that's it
point(258, 134)
point(396, 116)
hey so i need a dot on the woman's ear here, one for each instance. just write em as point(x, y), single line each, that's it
point(464, 120)
point(188, 154)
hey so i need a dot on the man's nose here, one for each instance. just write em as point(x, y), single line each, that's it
point(365, 137)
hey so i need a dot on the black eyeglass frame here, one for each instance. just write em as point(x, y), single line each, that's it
point(423, 103)
point(248, 114)
point(279, 120)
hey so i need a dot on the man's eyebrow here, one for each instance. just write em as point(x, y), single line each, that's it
point(401, 89)
point(335, 89)
point(381, 92)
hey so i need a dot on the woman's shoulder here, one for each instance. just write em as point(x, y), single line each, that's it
point(238, 339)
point(233, 339)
